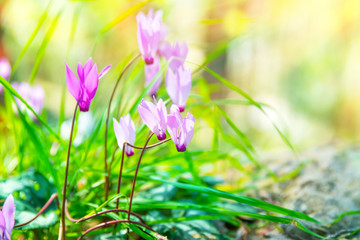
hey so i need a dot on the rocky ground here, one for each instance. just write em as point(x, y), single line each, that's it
point(328, 186)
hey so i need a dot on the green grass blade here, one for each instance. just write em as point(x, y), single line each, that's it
point(32, 36)
point(242, 199)
point(8, 86)
point(233, 87)
point(44, 43)
point(122, 16)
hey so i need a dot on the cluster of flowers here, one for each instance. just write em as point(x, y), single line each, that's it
point(151, 34)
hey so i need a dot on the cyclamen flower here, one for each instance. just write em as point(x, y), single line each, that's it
point(33, 95)
point(125, 132)
point(150, 73)
point(7, 218)
point(181, 130)
point(178, 51)
point(85, 89)
point(178, 85)
point(151, 31)
point(154, 116)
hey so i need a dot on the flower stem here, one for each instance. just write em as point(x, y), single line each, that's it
point(47, 204)
point(120, 173)
point(98, 214)
point(135, 176)
point(107, 124)
point(106, 224)
point(63, 230)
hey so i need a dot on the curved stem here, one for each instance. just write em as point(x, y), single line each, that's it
point(120, 173)
point(47, 204)
point(63, 234)
point(106, 224)
point(98, 214)
point(150, 146)
point(107, 123)
point(136, 172)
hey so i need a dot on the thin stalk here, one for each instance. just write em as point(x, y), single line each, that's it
point(63, 231)
point(122, 162)
point(107, 123)
point(47, 204)
point(106, 224)
point(120, 173)
point(100, 213)
point(136, 172)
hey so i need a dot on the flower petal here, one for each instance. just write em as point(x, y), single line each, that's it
point(104, 71)
point(189, 123)
point(149, 119)
point(92, 82)
point(2, 224)
point(8, 211)
point(72, 83)
point(119, 133)
point(87, 67)
point(172, 86)
point(184, 75)
point(80, 72)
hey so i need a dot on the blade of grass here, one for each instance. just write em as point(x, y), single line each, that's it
point(44, 43)
point(32, 36)
point(8, 86)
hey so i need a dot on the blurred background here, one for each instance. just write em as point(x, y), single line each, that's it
point(301, 57)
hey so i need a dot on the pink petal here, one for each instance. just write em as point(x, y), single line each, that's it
point(2, 224)
point(172, 86)
point(87, 67)
point(172, 128)
point(184, 78)
point(149, 119)
point(92, 81)
point(8, 211)
point(119, 133)
point(104, 71)
point(80, 72)
point(189, 123)
point(72, 83)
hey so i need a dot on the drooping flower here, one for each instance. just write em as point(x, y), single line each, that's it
point(125, 132)
point(154, 116)
point(178, 85)
point(85, 89)
point(33, 95)
point(151, 31)
point(178, 51)
point(150, 73)
point(7, 218)
point(181, 130)
point(5, 70)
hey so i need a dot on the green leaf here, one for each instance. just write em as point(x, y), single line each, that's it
point(31, 191)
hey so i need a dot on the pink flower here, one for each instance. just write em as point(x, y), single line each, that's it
point(33, 95)
point(151, 31)
point(5, 70)
point(178, 85)
point(7, 218)
point(84, 91)
point(125, 132)
point(150, 73)
point(178, 51)
point(154, 116)
point(181, 130)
